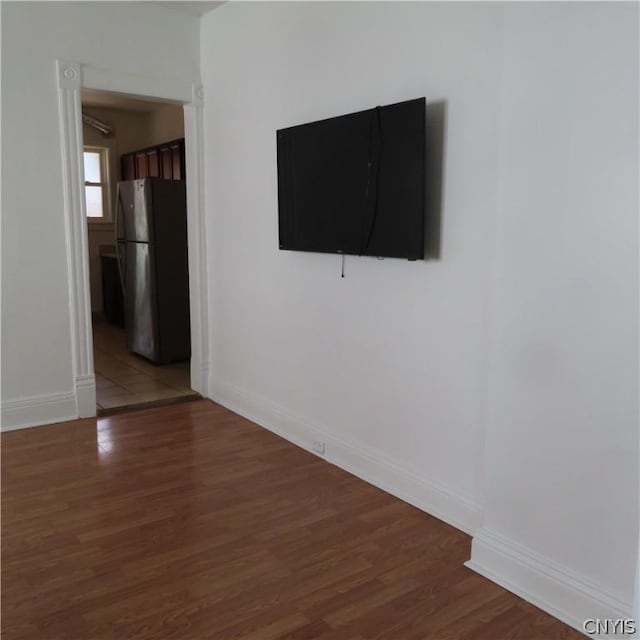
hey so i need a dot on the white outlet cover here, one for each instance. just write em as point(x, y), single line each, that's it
point(318, 446)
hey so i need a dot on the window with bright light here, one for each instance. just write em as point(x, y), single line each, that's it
point(96, 183)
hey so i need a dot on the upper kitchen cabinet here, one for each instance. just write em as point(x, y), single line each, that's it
point(165, 161)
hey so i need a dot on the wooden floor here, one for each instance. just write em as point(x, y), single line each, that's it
point(189, 522)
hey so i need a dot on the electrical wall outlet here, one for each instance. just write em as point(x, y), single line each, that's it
point(318, 446)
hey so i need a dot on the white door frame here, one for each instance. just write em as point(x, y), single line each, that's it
point(72, 78)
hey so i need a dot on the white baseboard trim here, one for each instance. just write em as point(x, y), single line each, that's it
point(371, 465)
point(86, 395)
point(205, 380)
point(199, 377)
point(35, 411)
point(559, 591)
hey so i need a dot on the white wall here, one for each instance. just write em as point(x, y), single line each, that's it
point(561, 462)
point(391, 359)
point(525, 329)
point(135, 38)
point(166, 122)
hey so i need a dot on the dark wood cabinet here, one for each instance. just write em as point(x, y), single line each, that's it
point(127, 167)
point(166, 161)
point(112, 299)
point(141, 165)
point(152, 164)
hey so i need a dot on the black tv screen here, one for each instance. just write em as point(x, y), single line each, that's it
point(355, 184)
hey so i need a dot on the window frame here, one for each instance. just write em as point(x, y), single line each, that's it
point(105, 184)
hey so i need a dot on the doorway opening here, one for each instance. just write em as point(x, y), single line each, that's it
point(135, 201)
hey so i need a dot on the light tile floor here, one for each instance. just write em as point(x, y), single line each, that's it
point(123, 378)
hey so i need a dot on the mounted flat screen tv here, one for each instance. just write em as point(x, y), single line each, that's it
point(355, 184)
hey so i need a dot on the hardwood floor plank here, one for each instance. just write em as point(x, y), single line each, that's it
point(189, 522)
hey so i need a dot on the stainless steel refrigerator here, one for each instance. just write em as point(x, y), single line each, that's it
point(151, 237)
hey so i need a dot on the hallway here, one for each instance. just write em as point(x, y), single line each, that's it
point(124, 379)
